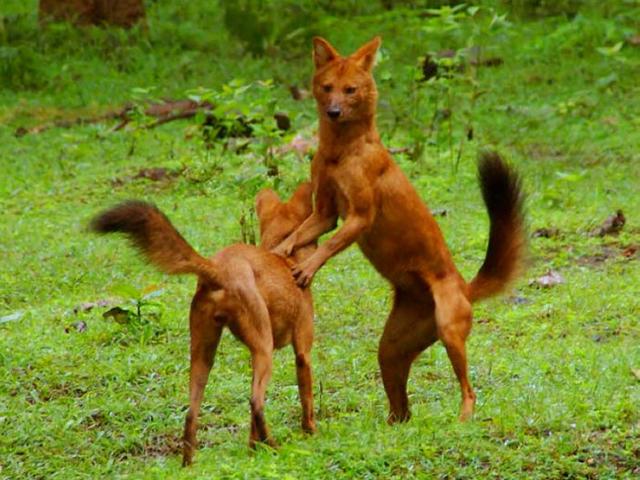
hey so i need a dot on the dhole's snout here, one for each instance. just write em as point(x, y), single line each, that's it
point(334, 112)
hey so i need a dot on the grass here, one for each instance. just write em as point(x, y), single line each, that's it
point(553, 368)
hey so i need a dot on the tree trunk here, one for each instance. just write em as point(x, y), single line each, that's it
point(121, 13)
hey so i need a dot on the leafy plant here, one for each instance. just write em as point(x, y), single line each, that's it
point(242, 117)
point(453, 84)
point(140, 319)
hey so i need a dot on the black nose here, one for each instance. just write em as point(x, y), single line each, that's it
point(333, 112)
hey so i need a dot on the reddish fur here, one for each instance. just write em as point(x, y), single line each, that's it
point(355, 178)
point(243, 287)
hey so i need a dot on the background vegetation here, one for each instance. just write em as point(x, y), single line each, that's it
point(551, 85)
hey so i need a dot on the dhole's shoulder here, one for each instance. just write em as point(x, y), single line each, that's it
point(375, 158)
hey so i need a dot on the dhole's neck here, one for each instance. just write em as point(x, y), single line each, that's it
point(340, 135)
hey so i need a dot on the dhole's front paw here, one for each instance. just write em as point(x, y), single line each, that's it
point(304, 272)
point(284, 249)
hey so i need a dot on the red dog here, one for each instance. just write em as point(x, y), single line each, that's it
point(355, 178)
point(243, 287)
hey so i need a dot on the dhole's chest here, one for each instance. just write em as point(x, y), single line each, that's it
point(335, 179)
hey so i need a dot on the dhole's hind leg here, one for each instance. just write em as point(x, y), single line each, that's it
point(409, 330)
point(205, 336)
point(254, 329)
point(453, 320)
point(261, 362)
point(302, 342)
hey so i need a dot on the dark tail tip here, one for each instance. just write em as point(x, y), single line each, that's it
point(504, 198)
point(501, 187)
point(128, 217)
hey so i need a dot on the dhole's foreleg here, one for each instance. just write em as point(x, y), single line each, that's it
point(302, 341)
point(353, 226)
point(453, 320)
point(313, 227)
point(409, 330)
point(205, 336)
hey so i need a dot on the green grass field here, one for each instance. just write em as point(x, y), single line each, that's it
point(556, 370)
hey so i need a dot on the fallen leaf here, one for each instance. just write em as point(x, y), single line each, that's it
point(630, 251)
point(155, 174)
point(611, 226)
point(119, 315)
point(88, 306)
point(546, 232)
point(550, 279)
point(636, 372)
point(79, 327)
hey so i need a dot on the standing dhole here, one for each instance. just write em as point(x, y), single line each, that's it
point(243, 287)
point(355, 178)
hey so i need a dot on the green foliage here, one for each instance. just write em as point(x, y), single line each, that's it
point(141, 322)
point(543, 8)
point(263, 28)
point(555, 369)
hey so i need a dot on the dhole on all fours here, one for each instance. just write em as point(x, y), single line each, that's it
point(245, 288)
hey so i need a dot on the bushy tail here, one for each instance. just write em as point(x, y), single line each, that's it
point(155, 237)
point(503, 197)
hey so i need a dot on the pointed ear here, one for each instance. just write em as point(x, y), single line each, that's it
point(301, 201)
point(266, 201)
point(365, 56)
point(323, 52)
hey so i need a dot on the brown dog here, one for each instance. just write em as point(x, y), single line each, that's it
point(355, 178)
point(243, 287)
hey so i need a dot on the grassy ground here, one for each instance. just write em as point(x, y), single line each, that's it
point(84, 396)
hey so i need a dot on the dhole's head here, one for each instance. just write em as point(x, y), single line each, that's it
point(343, 87)
point(279, 219)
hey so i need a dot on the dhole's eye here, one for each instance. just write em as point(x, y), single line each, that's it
point(350, 90)
point(327, 88)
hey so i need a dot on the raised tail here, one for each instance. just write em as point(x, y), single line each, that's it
point(155, 237)
point(503, 197)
